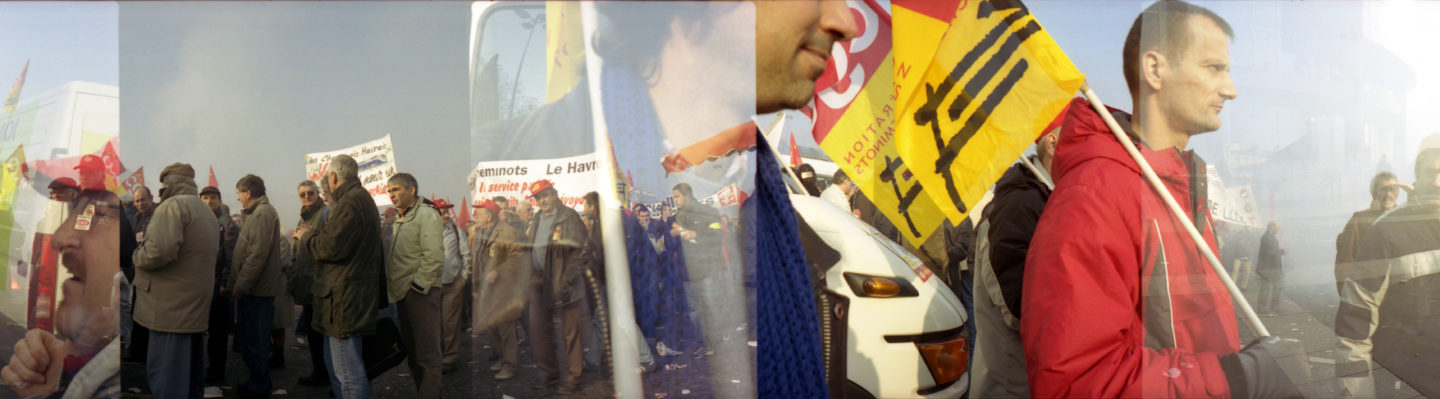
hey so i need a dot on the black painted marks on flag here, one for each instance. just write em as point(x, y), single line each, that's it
point(928, 114)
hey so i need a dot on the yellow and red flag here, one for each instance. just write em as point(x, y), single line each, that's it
point(854, 123)
point(978, 81)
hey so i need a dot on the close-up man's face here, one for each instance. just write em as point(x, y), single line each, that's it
point(143, 202)
point(89, 248)
point(308, 196)
point(644, 217)
point(212, 201)
point(1196, 84)
point(793, 40)
point(401, 196)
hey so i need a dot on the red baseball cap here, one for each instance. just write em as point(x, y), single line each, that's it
point(490, 205)
point(90, 162)
point(443, 204)
point(539, 186)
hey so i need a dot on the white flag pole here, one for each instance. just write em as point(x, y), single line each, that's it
point(624, 353)
point(1175, 209)
point(1043, 177)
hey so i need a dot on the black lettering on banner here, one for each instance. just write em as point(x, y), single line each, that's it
point(928, 113)
point(892, 167)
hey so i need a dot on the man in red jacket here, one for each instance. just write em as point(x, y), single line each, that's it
point(1130, 307)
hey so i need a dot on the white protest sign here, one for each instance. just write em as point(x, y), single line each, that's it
point(573, 177)
point(377, 163)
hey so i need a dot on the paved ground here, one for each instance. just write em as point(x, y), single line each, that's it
point(471, 380)
point(1308, 310)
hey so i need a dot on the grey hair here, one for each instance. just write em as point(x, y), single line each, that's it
point(345, 167)
point(307, 183)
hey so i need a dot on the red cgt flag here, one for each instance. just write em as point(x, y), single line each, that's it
point(213, 181)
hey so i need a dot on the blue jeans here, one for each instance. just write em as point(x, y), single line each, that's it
point(346, 367)
point(175, 365)
point(255, 317)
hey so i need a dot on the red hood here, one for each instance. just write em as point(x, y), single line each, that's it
point(1085, 138)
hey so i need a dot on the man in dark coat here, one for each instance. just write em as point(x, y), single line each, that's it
point(1272, 268)
point(222, 310)
point(312, 214)
point(558, 236)
point(350, 277)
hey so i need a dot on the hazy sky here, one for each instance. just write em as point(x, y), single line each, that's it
point(253, 87)
point(63, 41)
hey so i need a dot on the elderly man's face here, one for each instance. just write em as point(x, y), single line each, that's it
point(525, 210)
point(88, 315)
point(309, 196)
point(92, 178)
point(793, 43)
point(1197, 83)
point(143, 202)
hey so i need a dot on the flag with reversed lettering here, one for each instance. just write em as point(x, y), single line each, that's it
point(978, 81)
point(854, 124)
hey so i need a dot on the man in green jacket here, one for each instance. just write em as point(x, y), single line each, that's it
point(174, 272)
point(350, 277)
point(255, 280)
point(417, 255)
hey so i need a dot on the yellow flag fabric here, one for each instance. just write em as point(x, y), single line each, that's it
point(564, 48)
point(972, 105)
point(857, 131)
point(13, 98)
point(10, 177)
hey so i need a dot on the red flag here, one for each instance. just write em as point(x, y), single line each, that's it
point(794, 152)
point(213, 182)
point(464, 213)
point(112, 159)
point(136, 179)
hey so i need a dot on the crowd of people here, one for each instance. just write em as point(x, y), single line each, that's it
point(201, 276)
point(1080, 276)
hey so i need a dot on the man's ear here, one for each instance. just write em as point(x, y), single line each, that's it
point(1051, 141)
point(1151, 65)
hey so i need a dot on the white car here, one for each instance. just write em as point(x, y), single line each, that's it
point(904, 333)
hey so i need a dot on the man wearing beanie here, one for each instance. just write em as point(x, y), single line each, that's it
point(173, 277)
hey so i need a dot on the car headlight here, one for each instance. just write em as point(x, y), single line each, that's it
point(868, 286)
point(945, 358)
